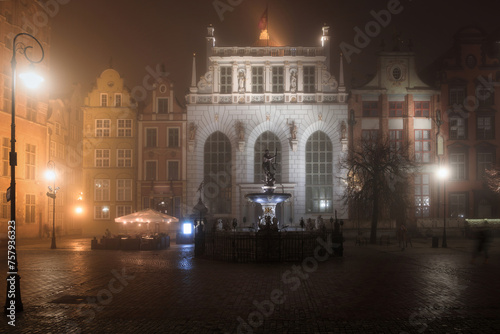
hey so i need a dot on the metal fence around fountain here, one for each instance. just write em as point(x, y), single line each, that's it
point(262, 247)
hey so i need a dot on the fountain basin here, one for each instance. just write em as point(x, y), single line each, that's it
point(268, 198)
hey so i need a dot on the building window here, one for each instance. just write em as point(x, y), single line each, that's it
point(422, 196)
point(101, 212)
point(101, 158)
point(395, 109)
point(102, 127)
point(124, 189)
point(217, 172)
point(485, 95)
point(173, 170)
point(123, 210)
point(5, 213)
point(458, 205)
point(31, 109)
point(101, 189)
point(58, 128)
point(124, 158)
point(456, 95)
point(395, 140)
point(173, 137)
point(423, 146)
point(162, 105)
point(370, 136)
point(118, 100)
point(150, 170)
point(278, 79)
point(485, 160)
point(457, 166)
point(258, 79)
point(422, 109)
point(73, 133)
point(458, 128)
point(5, 157)
point(485, 128)
point(104, 100)
point(151, 137)
point(124, 128)
point(226, 82)
point(60, 151)
point(30, 162)
point(266, 141)
point(30, 209)
point(309, 79)
point(319, 173)
point(370, 108)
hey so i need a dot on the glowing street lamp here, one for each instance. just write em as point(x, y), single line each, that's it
point(12, 275)
point(443, 175)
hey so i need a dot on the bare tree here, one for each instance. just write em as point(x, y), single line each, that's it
point(493, 179)
point(377, 177)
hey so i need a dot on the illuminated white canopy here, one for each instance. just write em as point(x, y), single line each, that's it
point(147, 216)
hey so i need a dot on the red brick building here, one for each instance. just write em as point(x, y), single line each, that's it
point(470, 91)
point(162, 149)
point(397, 105)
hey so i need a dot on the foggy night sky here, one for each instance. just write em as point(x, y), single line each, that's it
point(138, 34)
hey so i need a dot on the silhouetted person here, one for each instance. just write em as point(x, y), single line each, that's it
point(482, 243)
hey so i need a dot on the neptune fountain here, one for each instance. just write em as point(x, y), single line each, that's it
point(268, 199)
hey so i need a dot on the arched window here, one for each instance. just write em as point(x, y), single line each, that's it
point(269, 141)
point(217, 173)
point(319, 173)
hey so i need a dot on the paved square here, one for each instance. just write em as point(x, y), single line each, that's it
point(372, 289)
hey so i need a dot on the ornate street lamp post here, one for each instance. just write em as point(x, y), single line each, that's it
point(51, 176)
point(13, 302)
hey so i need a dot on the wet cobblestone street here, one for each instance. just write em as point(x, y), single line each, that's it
point(372, 289)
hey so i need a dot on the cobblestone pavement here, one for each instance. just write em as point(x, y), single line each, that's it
point(372, 289)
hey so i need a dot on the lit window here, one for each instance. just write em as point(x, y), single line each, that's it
point(422, 195)
point(101, 189)
point(30, 162)
point(216, 170)
point(319, 173)
point(423, 146)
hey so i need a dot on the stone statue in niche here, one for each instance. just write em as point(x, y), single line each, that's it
point(293, 130)
point(241, 81)
point(343, 129)
point(240, 131)
point(192, 131)
point(293, 81)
